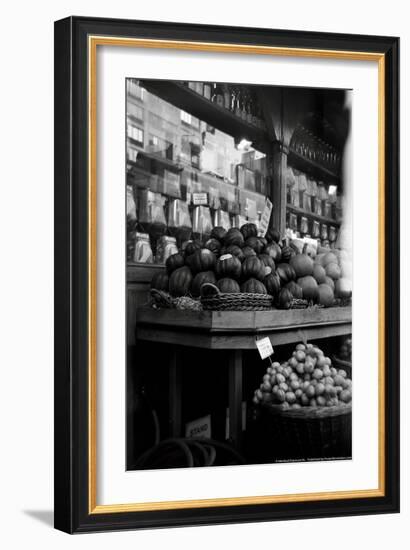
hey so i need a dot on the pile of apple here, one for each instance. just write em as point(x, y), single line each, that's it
point(307, 379)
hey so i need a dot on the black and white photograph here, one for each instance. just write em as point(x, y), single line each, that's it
point(239, 274)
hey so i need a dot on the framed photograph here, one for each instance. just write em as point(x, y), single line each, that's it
point(226, 274)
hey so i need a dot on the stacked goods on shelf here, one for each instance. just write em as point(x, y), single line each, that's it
point(240, 261)
point(306, 379)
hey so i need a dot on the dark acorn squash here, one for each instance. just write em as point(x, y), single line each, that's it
point(247, 252)
point(173, 262)
point(285, 299)
point(180, 281)
point(253, 267)
point(272, 283)
point(191, 247)
point(228, 266)
point(255, 243)
point(274, 251)
point(214, 246)
point(285, 272)
point(227, 285)
point(201, 260)
point(249, 230)
point(268, 261)
point(160, 281)
point(234, 236)
point(287, 253)
point(295, 289)
point(218, 233)
point(272, 235)
point(253, 286)
point(235, 251)
point(200, 279)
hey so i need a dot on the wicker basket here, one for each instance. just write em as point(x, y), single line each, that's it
point(213, 299)
point(308, 433)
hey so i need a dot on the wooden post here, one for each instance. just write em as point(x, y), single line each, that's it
point(175, 383)
point(235, 397)
point(278, 191)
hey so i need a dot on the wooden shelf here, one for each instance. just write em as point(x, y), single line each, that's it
point(239, 329)
point(224, 120)
point(312, 168)
point(321, 219)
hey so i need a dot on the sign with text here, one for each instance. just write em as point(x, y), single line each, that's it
point(199, 199)
point(201, 427)
point(264, 346)
point(265, 218)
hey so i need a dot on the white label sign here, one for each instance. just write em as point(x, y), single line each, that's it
point(199, 198)
point(201, 427)
point(266, 214)
point(264, 347)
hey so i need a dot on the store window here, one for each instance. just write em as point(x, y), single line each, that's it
point(189, 119)
point(135, 90)
point(136, 134)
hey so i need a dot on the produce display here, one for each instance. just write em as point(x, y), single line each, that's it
point(238, 260)
point(306, 379)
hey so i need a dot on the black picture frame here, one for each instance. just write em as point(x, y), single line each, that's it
point(72, 513)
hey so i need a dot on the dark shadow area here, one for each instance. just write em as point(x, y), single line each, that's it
point(44, 516)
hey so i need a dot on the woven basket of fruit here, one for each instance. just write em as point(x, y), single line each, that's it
point(213, 299)
point(305, 405)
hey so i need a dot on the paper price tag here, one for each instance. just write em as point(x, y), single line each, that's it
point(200, 198)
point(264, 347)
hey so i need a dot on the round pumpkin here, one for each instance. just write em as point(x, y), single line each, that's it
point(253, 267)
point(249, 230)
point(247, 252)
point(234, 236)
point(173, 262)
point(274, 251)
point(328, 258)
point(286, 273)
point(180, 281)
point(255, 243)
point(268, 261)
point(200, 279)
point(319, 273)
point(343, 288)
point(287, 253)
point(227, 285)
point(325, 296)
point(285, 299)
point(228, 265)
point(191, 247)
point(235, 251)
point(218, 232)
point(272, 235)
point(295, 289)
point(333, 271)
point(330, 282)
point(309, 287)
point(302, 264)
point(272, 283)
point(214, 245)
point(253, 286)
point(160, 281)
point(201, 260)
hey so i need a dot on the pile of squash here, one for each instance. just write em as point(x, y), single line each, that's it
point(238, 260)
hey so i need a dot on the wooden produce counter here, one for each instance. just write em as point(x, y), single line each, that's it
point(235, 331)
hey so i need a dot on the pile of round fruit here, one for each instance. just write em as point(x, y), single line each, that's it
point(238, 260)
point(307, 379)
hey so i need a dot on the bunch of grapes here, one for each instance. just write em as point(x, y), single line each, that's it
point(307, 379)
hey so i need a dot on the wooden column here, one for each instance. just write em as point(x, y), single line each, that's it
point(235, 397)
point(278, 191)
point(175, 393)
